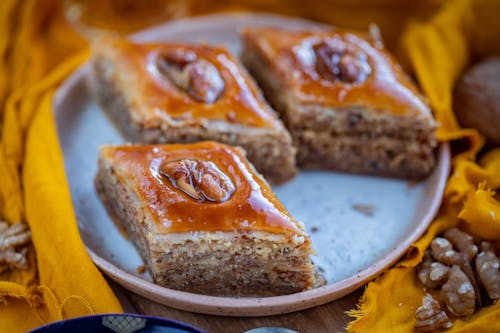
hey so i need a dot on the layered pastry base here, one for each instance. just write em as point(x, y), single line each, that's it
point(177, 93)
point(347, 104)
point(204, 220)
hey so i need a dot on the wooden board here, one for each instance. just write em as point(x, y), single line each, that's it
point(326, 318)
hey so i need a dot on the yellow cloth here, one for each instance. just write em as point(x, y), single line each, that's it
point(438, 51)
point(62, 281)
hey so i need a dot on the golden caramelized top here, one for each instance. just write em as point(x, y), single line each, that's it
point(337, 68)
point(205, 186)
point(184, 84)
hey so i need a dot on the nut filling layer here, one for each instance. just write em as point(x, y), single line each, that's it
point(201, 180)
point(195, 76)
point(336, 60)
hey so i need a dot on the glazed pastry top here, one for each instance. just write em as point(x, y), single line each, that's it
point(184, 84)
point(337, 68)
point(204, 186)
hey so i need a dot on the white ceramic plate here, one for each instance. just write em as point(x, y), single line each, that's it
point(352, 247)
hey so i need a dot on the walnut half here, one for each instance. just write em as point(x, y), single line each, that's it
point(201, 180)
point(447, 267)
point(488, 270)
point(338, 61)
point(14, 241)
point(198, 77)
point(430, 317)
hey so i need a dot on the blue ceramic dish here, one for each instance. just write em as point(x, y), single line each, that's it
point(117, 323)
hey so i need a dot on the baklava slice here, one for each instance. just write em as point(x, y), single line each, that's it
point(204, 220)
point(347, 103)
point(181, 93)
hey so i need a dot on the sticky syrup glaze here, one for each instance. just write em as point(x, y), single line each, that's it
point(159, 99)
point(252, 206)
point(387, 89)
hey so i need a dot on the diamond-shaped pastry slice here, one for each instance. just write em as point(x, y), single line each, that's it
point(346, 102)
point(204, 220)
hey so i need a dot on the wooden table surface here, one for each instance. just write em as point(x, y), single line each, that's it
point(328, 318)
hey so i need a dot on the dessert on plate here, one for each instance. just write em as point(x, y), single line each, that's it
point(346, 102)
point(180, 93)
point(204, 220)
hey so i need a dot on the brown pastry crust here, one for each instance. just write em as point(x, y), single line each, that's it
point(149, 108)
point(378, 125)
point(245, 244)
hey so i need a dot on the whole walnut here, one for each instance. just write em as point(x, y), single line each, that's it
point(476, 99)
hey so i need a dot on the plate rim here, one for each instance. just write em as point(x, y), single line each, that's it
point(258, 306)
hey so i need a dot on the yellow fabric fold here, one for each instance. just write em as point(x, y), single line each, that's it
point(35, 48)
point(438, 51)
point(389, 303)
point(52, 196)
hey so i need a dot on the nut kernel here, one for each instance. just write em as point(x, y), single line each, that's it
point(201, 180)
point(197, 77)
